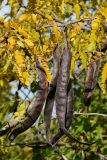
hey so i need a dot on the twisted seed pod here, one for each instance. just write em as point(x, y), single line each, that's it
point(91, 80)
point(61, 94)
point(51, 94)
point(68, 114)
point(36, 106)
point(61, 90)
point(69, 108)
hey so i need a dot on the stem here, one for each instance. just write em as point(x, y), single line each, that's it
point(91, 114)
point(71, 23)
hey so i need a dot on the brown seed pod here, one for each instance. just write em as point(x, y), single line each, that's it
point(61, 90)
point(69, 108)
point(91, 80)
point(36, 106)
point(68, 114)
point(61, 94)
point(51, 94)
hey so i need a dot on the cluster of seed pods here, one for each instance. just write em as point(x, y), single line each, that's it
point(60, 92)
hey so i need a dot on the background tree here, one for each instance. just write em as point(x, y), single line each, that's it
point(31, 30)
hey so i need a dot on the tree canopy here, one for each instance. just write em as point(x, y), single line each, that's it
point(55, 50)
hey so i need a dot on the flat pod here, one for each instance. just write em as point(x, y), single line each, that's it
point(68, 114)
point(69, 108)
point(61, 94)
point(91, 80)
point(36, 106)
point(51, 94)
point(62, 83)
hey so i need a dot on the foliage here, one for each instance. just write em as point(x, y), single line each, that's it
point(32, 29)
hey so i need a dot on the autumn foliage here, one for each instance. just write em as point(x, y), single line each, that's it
point(58, 51)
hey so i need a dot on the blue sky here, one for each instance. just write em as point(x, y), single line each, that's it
point(5, 9)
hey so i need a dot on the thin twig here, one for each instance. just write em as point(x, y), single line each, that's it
point(33, 144)
point(102, 157)
point(91, 114)
point(62, 23)
point(80, 20)
point(58, 152)
point(54, 17)
point(71, 23)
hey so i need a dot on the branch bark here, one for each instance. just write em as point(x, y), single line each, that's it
point(91, 114)
point(70, 23)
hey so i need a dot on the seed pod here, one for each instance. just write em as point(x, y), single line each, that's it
point(68, 114)
point(51, 94)
point(61, 93)
point(69, 108)
point(91, 81)
point(61, 90)
point(36, 106)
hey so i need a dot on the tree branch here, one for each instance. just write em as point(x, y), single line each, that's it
point(54, 17)
point(80, 20)
point(35, 144)
point(91, 114)
point(70, 23)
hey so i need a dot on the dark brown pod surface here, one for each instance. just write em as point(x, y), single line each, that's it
point(51, 94)
point(36, 106)
point(91, 81)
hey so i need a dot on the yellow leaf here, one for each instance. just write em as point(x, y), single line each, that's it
point(56, 31)
point(49, 17)
point(104, 78)
point(1, 83)
point(76, 29)
point(19, 59)
point(44, 64)
point(96, 23)
point(45, 48)
point(34, 17)
point(66, 0)
point(77, 10)
point(14, 25)
point(62, 7)
point(16, 114)
point(29, 43)
point(83, 57)
point(34, 36)
point(74, 57)
point(8, 62)
point(55, 28)
point(26, 78)
point(6, 24)
point(1, 19)
point(103, 11)
point(23, 32)
point(23, 17)
point(12, 41)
